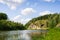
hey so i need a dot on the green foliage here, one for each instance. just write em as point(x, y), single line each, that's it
point(53, 20)
point(9, 25)
point(53, 34)
point(3, 16)
point(52, 24)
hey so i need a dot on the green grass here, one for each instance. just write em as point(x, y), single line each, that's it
point(53, 34)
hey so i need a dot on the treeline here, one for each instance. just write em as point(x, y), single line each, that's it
point(53, 20)
point(5, 24)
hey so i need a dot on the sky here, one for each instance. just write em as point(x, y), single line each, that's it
point(24, 10)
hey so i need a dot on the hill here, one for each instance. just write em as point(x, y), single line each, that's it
point(46, 21)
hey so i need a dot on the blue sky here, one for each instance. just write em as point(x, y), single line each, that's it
point(24, 10)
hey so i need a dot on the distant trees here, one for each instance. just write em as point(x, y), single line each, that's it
point(9, 25)
point(52, 21)
point(3, 16)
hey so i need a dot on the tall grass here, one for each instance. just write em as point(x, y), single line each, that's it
point(53, 34)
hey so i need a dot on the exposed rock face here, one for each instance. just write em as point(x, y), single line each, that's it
point(40, 24)
point(58, 25)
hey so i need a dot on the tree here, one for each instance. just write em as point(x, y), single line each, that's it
point(3, 16)
point(9, 25)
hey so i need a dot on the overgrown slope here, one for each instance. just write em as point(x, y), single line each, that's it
point(53, 20)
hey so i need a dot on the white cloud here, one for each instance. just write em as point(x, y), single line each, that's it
point(11, 6)
point(45, 12)
point(1, 1)
point(17, 1)
point(27, 11)
point(49, 0)
point(24, 21)
point(12, 3)
point(16, 17)
point(19, 19)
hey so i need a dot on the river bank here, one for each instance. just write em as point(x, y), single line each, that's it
point(53, 34)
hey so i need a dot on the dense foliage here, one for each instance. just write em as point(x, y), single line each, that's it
point(3, 16)
point(53, 20)
point(9, 25)
point(53, 34)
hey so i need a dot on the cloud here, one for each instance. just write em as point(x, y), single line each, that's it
point(16, 17)
point(11, 6)
point(17, 1)
point(45, 12)
point(12, 3)
point(27, 11)
point(19, 19)
point(1, 1)
point(24, 21)
point(50, 0)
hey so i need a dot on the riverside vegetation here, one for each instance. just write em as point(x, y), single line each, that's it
point(53, 34)
point(53, 25)
point(50, 21)
point(6, 25)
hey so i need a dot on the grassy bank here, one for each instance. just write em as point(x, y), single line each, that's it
point(53, 34)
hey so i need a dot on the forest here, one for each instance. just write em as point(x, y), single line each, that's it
point(53, 20)
point(5, 24)
point(50, 21)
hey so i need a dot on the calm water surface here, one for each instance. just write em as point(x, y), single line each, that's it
point(19, 35)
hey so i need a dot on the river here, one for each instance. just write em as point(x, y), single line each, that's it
point(19, 34)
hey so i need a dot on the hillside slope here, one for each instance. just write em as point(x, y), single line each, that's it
point(46, 21)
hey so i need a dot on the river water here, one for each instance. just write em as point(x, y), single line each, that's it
point(19, 34)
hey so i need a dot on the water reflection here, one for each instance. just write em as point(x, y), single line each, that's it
point(19, 35)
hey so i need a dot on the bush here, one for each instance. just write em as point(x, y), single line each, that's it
point(3, 16)
point(53, 34)
point(9, 25)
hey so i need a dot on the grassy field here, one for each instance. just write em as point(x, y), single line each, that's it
point(53, 34)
